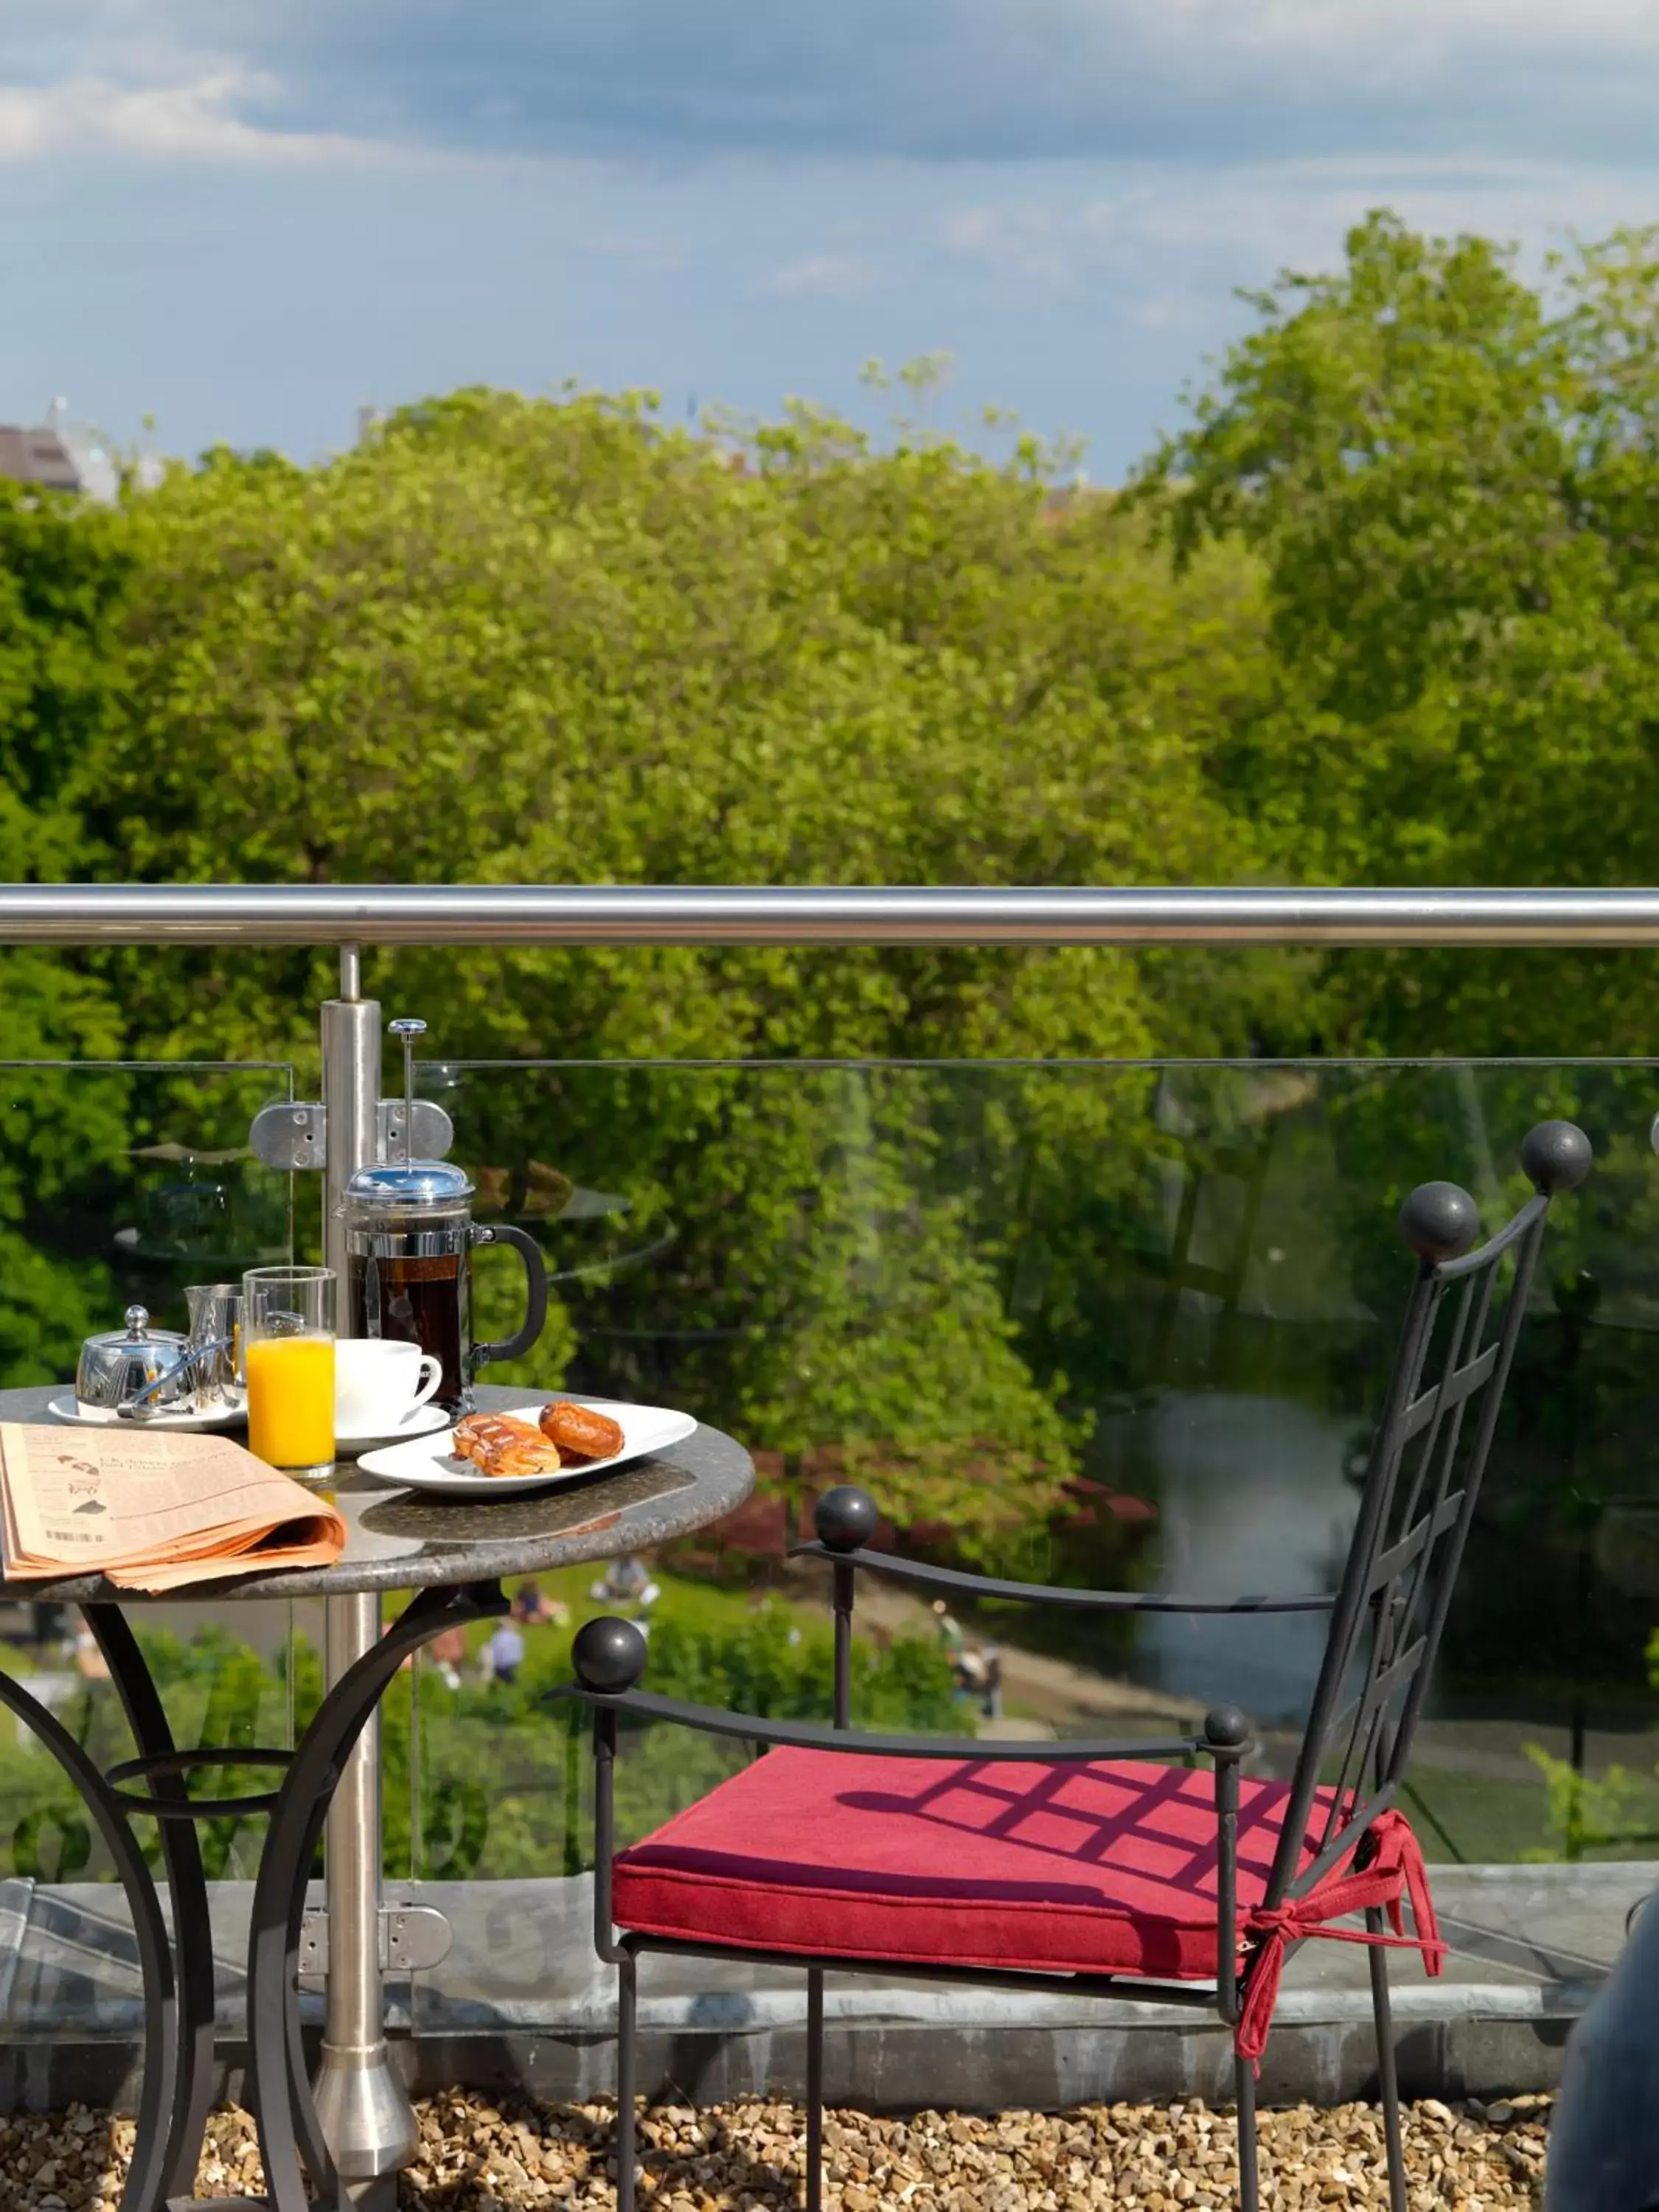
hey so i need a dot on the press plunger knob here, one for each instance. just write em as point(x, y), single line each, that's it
point(406, 1029)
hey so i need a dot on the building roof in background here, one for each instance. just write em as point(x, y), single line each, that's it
point(65, 455)
point(38, 456)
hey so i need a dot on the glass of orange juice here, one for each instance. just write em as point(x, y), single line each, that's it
point(288, 1363)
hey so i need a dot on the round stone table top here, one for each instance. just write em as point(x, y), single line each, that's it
point(407, 1540)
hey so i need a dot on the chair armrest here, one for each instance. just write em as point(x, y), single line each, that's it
point(1077, 1600)
point(821, 1735)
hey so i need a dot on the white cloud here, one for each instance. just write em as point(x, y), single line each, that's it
point(1300, 220)
point(1024, 240)
point(1244, 224)
point(1423, 27)
point(195, 120)
point(824, 275)
point(1168, 311)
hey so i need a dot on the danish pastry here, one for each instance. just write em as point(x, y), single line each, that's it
point(498, 1444)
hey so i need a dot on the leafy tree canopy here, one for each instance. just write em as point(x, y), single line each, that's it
point(1451, 478)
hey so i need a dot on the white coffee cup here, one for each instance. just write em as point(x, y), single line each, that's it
point(378, 1383)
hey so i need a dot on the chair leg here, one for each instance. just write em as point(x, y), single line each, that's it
point(1244, 2075)
point(814, 2088)
point(1387, 2079)
point(626, 1974)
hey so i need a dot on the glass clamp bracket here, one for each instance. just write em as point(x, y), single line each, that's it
point(293, 1133)
point(412, 1938)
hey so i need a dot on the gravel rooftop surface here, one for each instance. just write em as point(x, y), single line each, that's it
point(477, 2156)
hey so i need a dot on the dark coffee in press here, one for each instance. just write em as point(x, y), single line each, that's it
point(421, 1300)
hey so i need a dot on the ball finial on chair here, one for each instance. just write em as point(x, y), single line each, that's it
point(1226, 1727)
point(608, 1655)
point(845, 1518)
point(1556, 1156)
point(1439, 1221)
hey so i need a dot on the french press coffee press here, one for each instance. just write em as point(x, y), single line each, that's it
point(409, 1237)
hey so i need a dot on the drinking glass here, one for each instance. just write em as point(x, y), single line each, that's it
point(216, 1318)
point(288, 1365)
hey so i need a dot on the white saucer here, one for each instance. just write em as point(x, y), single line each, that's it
point(103, 1417)
point(422, 1422)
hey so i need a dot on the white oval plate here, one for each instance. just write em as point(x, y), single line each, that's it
point(102, 1417)
point(423, 1421)
point(426, 1463)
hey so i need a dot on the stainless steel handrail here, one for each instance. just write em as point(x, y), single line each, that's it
point(607, 914)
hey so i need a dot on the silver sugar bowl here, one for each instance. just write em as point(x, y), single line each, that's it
point(137, 1372)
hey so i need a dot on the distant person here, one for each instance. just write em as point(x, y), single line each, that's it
point(991, 1683)
point(529, 1606)
point(90, 1660)
point(449, 1655)
point(626, 1582)
point(1604, 2137)
point(950, 1631)
point(532, 1609)
point(504, 1654)
point(979, 1675)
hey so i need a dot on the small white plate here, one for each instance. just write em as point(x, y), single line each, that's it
point(102, 1417)
point(422, 1421)
point(427, 1465)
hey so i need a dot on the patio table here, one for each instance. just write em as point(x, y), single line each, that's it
point(452, 1553)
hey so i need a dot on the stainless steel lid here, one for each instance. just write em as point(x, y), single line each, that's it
point(410, 1186)
point(115, 1367)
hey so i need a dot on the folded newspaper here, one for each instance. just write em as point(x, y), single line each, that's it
point(152, 1511)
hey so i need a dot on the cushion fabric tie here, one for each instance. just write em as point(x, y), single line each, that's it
point(1394, 1872)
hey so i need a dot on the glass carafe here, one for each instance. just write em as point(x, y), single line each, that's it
point(410, 1240)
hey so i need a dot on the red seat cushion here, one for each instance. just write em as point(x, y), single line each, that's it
point(1102, 1868)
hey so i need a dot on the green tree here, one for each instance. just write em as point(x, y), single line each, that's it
point(550, 640)
point(62, 573)
point(1451, 478)
point(532, 641)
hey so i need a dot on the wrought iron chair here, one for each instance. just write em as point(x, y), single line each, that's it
point(1120, 1869)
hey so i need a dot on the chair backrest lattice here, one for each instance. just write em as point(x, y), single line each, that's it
point(1421, 1487)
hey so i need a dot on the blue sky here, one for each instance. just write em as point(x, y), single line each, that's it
point(245, 216)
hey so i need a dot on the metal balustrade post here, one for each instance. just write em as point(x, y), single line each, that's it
point(366, 2117)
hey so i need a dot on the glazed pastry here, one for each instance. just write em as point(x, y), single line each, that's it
point(580, 1432)
point(524, 1458)
point(496, 1444)
point(474, 1435)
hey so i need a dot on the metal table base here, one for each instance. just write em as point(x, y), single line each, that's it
point(456, 1553)
point(177, 1971)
